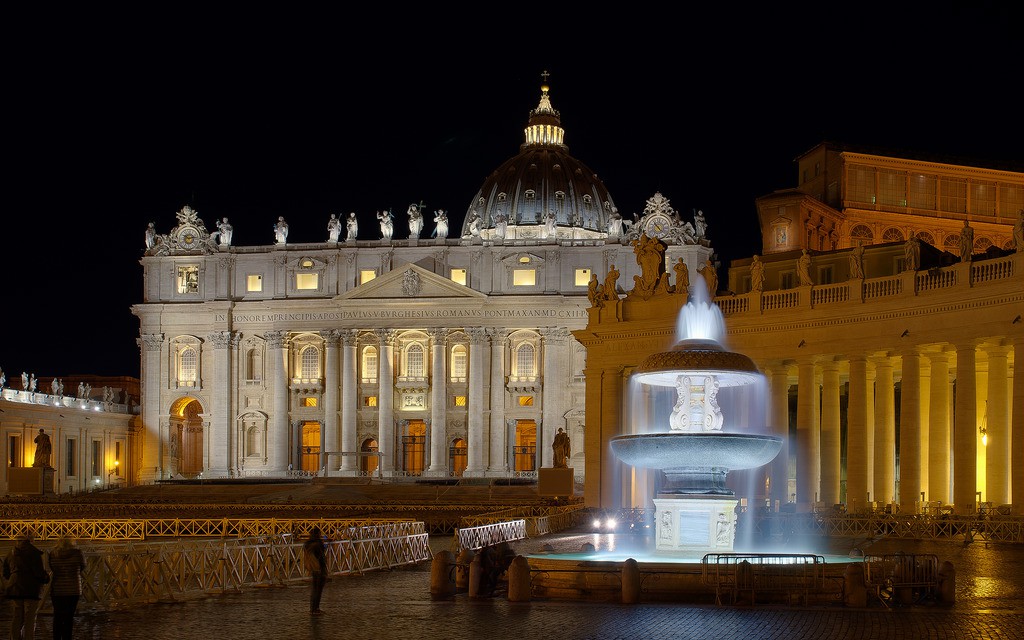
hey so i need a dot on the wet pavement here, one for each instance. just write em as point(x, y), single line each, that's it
point(397, 604)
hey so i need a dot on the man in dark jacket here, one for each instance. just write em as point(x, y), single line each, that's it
point(24, 576)
point(314, 558)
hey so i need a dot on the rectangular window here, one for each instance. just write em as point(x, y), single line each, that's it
point(97, 458)
point(786, 279)
point(860, 184)
point(306, 281)
point(953, 195)
point(825, 275)
point(459, 276)
point(525, 401)
point(309, 402)
point(892, 187)
point(922, 191)
point(254, 282)
point(117, 457)
point(71, 457)
point(1011, 199)
point(365, 275)
point(582, 277)
point(188, 279)
point(983, 198)
point(524, 277)
point(14, 451)
point(369, 401)
point(460, 401)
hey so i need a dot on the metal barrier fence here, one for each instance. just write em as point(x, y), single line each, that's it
point(133, 573)
point(479, 537)
point(751, 575)
point(902, 578)
point(540, 520)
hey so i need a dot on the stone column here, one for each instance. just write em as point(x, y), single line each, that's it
point(1017, 425)
point(498, 445)
point(349, 399)
point(386, 399)
point(278, 438)
point(910, 431)
point(830, 435)
point(997, 453)
point(332, 384)
point(779, 423)
point(938, 429)
point(221, 445)
point(554, 391)
point(965, 431)
point(438, 402)
point(807, 437)
point(475, 446)
point(870, 457)
point(885, 431)
point(856, 435)
point(154, 444)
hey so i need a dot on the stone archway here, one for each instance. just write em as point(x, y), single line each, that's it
point(185, 445)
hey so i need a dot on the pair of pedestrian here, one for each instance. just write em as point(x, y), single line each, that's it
point(314, 560)
point(24, 578)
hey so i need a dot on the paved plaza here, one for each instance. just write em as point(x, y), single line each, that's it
point(397, 604)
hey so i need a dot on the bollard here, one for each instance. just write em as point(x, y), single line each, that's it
point(462, 569)
point(947, 584)
point(855, 591)
point(442, 583)
point(475, 576)
point(630, 581)
point(520, 589)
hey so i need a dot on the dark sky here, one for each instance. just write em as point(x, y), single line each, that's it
point(117, 120)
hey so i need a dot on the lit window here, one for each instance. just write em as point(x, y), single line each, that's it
point(306, 264)
point(306, 281)
point(459, 276)
point(582, 277)
point(309, 402)
point(254, 282)
point(370, 364)
point(189, 365)
point(365, 275)
point(188, 279)
point(524, 360)
point(524, 259)
point(414, 361)
point(459, 361)
point(525, 401)
point(310, 363)
point(524, 277)
point(370, 401)
point(460, 401)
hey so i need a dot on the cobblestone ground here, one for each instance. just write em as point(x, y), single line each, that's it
point(397, 604)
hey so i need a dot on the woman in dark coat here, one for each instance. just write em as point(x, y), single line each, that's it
point(24, 577)
point(67, 564)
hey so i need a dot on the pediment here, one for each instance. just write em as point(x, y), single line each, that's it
point(410, 282)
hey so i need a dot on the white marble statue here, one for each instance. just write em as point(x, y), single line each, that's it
point(352, 227)
point(387, 226)
point(32, 383)
point(54, 387)
point(224, 232)
point(150, 236)
point(700, 225)
point(24, 380)
point(614, 224)
point(474, 224)
point(3, 379)
point(333, 228)
point(281, 230)
point(500, 226)
point(550, 225)
point(440, 224)
point(415, 221)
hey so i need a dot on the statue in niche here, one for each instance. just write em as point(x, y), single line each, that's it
point(333, 228)
point(440, 224)
point(352, 227)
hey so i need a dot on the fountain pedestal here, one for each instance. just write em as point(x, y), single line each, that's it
point(694, 525)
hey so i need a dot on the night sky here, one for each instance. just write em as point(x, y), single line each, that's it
point(116, 120)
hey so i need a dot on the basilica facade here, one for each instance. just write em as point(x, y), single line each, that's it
point(392, 353)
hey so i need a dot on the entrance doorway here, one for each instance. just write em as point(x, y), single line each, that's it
point(414, 447)
point(457, 457)
point(525, 449)
point(186, 438)
point(368, 464)
point(309, 454)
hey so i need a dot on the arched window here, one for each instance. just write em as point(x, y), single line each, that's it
point(459, 359)
point(188, 365)
point(525, 360)
point(862, 233)
point(370, 364)
point(892, 234)
point(924, 236)
point(414, 361)
point(952, 243)
point(310, 363)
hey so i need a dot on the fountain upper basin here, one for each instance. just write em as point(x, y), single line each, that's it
point(692, 451)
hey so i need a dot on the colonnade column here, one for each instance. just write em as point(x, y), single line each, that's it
point(1017, 428)
point(856, 435)
point(910, 430)
point(220, 412)
point(554, 391)
point(997, 453)
point(332, 382)
point(965, 431)
point(279, 431)
point(885, 431)
point(498, 458)
point(779, 422)
point(870, 431)
point(349, 400)
point(938, 429)
point(438, 401)
point(153, 442)
point(808, 463)
point(386, 399)
point(830, 435)
point(475, 446)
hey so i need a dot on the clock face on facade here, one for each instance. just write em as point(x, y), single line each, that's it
point(657, 226)
point(188, 237)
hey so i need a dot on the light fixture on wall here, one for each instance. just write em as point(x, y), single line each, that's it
point(906, 332)
point(984, 427)
point(802, 343)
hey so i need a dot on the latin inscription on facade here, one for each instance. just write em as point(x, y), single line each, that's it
point(385, 314)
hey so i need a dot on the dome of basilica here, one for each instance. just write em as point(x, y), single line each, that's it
point(542, 193)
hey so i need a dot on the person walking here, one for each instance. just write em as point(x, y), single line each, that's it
point(24, 577)
point(314, 559)
point(66, 564)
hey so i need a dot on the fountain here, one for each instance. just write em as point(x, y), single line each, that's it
point(695, 512)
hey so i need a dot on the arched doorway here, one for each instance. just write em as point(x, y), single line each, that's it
point(368, 463)
point(185, 446)
point(525, 449)
point(413, 447)
point(457, 457)
point(310, 449)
